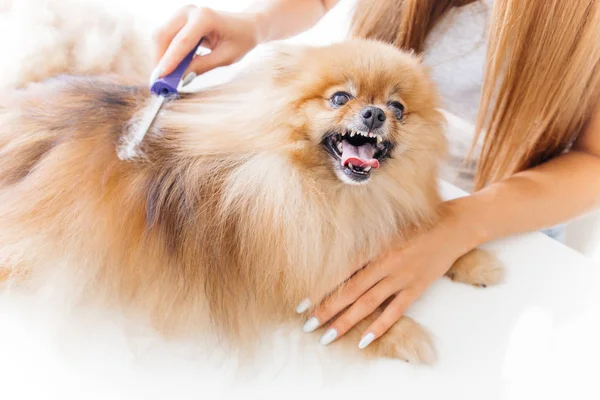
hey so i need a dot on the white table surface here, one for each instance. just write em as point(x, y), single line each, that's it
point(535, 336)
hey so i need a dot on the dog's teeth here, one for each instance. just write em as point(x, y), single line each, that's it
point(340, 147)
point(343, 133)
point(352, 133)
point(379, 139)
point(367, 169)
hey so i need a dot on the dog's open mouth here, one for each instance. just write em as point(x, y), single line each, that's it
point(359, 153)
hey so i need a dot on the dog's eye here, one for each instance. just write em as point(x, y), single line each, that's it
point(340, 98)
point(397, 108)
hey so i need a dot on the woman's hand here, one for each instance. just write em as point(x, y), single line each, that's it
point(228, 36)
point(400, 275)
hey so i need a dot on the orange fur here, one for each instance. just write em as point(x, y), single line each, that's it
point(234, 213)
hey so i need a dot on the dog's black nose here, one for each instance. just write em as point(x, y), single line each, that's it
point(372, 117)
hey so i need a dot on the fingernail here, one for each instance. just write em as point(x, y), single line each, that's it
point(328, 337)
point(366, 340)
point(155, 74)
point(310, 325)
point(203, 51)
point(303, 306)
point(188, 79)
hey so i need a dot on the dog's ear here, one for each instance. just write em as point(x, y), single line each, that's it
point(287, 60)
point(286, 50)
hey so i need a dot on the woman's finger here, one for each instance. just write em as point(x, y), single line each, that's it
point(363, 307)
point(165, 34)
point(362, 281)
point(199, 24)
point(392, 314)
point(217, 58)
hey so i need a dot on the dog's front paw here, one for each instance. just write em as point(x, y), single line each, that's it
point(478, 268)
point(405, 340)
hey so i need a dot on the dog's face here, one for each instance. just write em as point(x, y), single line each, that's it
point(361, 104)
point(361, 139)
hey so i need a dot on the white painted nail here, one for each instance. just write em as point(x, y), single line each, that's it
point(310, 325)
point(303, 306)
point(188, 79)
point(366, 340)
point(202, 51)
point(155, 74)
point(328, 337)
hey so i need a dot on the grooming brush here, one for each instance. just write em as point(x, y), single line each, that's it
point(166, 88)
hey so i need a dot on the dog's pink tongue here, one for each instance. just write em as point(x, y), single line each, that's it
point(359, 156)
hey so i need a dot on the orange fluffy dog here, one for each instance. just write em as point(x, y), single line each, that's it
point(246, 198)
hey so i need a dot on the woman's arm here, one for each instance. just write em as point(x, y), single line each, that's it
point(280, 19)
point(230, 35)
point(551, 193)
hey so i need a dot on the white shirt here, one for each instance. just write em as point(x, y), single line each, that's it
point(455, 52)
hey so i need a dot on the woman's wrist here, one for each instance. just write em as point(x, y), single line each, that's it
point(460, 224)
point(281, 19)
point(260, 24)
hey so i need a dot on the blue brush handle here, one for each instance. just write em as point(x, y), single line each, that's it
point(167, 86)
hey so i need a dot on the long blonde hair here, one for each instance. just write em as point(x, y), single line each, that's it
point(542, 73)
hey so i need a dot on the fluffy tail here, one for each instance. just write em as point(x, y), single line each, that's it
point(44, 38)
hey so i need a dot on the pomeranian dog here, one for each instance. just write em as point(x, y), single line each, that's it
point(246, 198)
